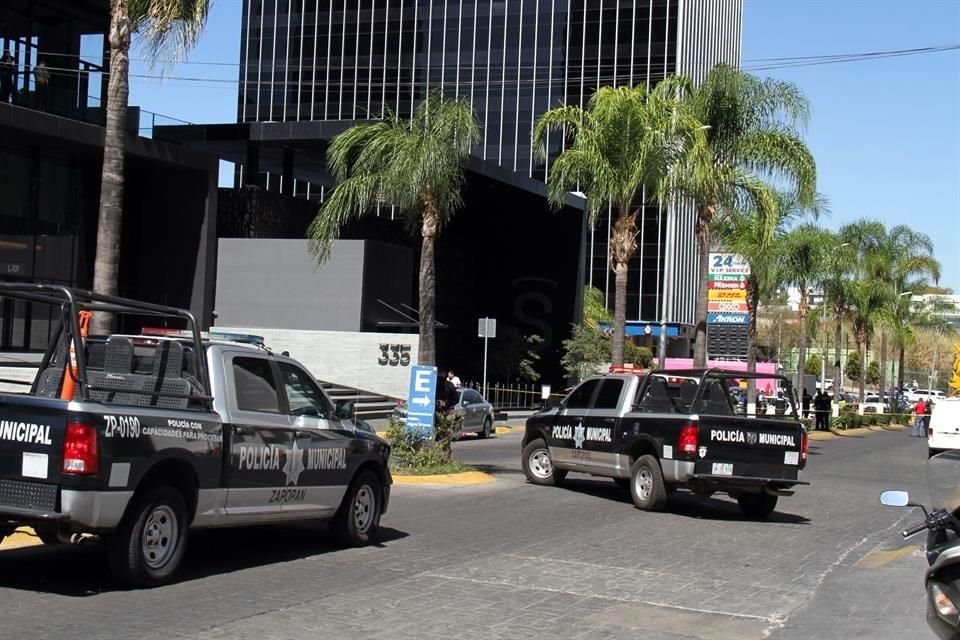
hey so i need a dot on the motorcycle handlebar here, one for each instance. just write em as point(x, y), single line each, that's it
point(914, 530)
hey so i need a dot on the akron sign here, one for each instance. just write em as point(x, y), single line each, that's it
point(727, 289)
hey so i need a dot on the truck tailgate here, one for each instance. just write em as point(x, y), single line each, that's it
point(31, 451)
point(750, 448)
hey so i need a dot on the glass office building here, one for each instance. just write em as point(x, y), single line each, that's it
point(346, 60)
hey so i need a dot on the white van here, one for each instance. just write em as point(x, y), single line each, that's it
point(944, 428)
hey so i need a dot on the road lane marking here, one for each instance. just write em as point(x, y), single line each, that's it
point(880, 558)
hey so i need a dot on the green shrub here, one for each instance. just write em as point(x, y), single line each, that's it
point(411, 453)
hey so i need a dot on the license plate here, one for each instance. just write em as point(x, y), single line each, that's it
point(34, 465)
point(791, 457)
point(723, 468)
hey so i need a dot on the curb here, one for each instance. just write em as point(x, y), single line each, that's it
point(508, 429)
point(22, 537)
point(853, 433)
point(448, 479)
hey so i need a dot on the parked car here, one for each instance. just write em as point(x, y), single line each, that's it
point(477, 412)
point(925, 394)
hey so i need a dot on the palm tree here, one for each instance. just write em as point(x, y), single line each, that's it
point(869, 298)
point(166, 25)
point(627, 139)
point(901, 255)
point(804, 261)
point(752, 133)
point(753, 234)
point(414, 164)
point(836, 283)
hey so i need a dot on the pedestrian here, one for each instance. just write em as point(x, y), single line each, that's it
point(452, 377)
point(8, 73)
point(919, 419)
point(42, 76)
point(822, 410)
point(447, 394)
point(805, 403)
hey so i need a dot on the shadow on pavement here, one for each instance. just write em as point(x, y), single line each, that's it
point(81, 570)
point(686, 504)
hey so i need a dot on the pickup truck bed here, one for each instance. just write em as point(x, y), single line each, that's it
point(665, 431)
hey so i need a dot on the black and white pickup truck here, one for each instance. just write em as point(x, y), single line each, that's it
point(668, 430)
point(139, 439)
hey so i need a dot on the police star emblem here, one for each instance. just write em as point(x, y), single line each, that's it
point(579, 436)
point(702, 451)
point(293, 466)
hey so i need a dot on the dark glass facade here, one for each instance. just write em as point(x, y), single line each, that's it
point(304, 60)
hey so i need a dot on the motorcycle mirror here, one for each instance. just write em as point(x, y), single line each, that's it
point(895, 498)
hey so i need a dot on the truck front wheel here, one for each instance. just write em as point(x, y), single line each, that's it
point(646, 484)
point(757, 505)
point(149, 546)
point(538, 465)
point(358, 518)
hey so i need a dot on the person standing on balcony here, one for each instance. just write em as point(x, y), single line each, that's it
point(42, 76)
point(8, 75)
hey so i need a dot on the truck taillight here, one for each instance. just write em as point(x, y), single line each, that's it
point(81, 453)
point(804, 447)
point(688, 439)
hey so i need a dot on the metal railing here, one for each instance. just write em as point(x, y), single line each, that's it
point(506, 396)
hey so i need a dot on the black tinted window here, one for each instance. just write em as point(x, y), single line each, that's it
point(580, 398)
point(609, 394)
point(255, 387)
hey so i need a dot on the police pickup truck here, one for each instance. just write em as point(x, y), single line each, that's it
point(140, 439)
point(663, 431)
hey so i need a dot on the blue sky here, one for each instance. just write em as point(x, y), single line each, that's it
point(885, 133)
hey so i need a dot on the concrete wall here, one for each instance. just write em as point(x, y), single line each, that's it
point(276, 283)
point(349, 358)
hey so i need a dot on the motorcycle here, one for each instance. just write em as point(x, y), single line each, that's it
point(942, 525)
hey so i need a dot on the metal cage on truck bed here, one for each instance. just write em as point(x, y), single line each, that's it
point(154, 371)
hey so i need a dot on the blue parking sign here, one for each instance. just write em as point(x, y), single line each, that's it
point(421, 400)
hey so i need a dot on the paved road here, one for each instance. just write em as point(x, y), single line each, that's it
point(511, 560)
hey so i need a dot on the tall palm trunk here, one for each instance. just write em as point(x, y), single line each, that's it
point(862, 340)
point(427, 354)
point(703, 269)
point(753, 303)
point(837, 366)
point(623, 243)
point(900, 368)
point(110, 220)
point(883, 362)
point(802, 347)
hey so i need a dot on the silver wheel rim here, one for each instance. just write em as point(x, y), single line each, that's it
point(644, 483)
point(161, 532)
point(363, 507)
point(540, 464)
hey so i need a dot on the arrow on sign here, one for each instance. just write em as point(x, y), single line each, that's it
point(421, 400)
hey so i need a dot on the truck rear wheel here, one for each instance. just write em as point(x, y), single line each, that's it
point(646, 484)
point(358, 518)
point(757, 505)
point(538, 465)
point(150, 544)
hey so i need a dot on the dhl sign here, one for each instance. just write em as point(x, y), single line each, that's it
point(727, 295)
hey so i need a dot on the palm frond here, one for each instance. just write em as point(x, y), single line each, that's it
point(168, 28)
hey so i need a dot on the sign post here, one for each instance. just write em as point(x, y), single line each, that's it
point(486, 329)
point(421, 400)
